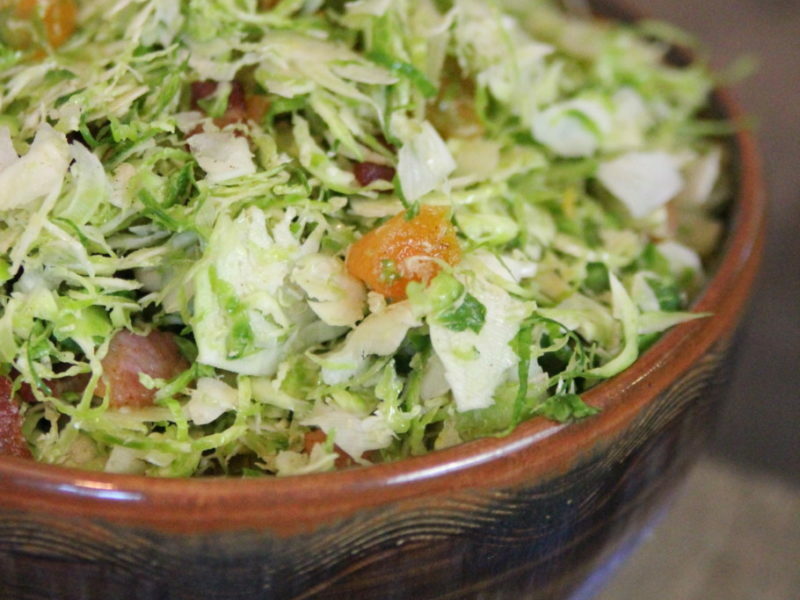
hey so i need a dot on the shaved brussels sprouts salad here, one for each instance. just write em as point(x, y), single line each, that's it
point(279, 237)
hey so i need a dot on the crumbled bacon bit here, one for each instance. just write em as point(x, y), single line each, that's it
point(241, 107)
point(367, 172)
point(12, 442)
point(200, 90)
point(155, 354)
point(58, 387)
point(236, 98)
point(317, 436)
point(25, 393)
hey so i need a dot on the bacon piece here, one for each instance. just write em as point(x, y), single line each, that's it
point(241, 106)
point(236, 100)
point(199, 90)
point(236, 108)
point(12, 442)
point(59, 387)
point(25, 393)
point(367, 172)
point(155, 354)
point(317, 436)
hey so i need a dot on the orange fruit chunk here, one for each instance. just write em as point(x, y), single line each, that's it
point(400, 251)
point(59, 18)
point(59, 21)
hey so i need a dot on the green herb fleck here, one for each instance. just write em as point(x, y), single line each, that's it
point(566, 407)
point(470, 314)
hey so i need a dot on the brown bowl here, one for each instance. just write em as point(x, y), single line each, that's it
point(537, 514)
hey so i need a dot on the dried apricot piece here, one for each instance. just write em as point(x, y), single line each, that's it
point(25, 9)
point(59, 21)
point(403, 250)
point(59, 18)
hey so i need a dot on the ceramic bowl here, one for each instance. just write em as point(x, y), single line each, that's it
point(537, 514)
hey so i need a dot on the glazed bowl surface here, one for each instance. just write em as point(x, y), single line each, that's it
point(536, 514)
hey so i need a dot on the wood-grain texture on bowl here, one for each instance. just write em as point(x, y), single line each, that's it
point(531, 515)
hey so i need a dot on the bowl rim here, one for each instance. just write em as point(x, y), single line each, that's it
point(535, 449)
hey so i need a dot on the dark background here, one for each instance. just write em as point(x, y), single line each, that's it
point(734, 531)
point(761, 427)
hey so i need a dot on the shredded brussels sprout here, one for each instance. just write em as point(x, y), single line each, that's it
point(269, 238)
